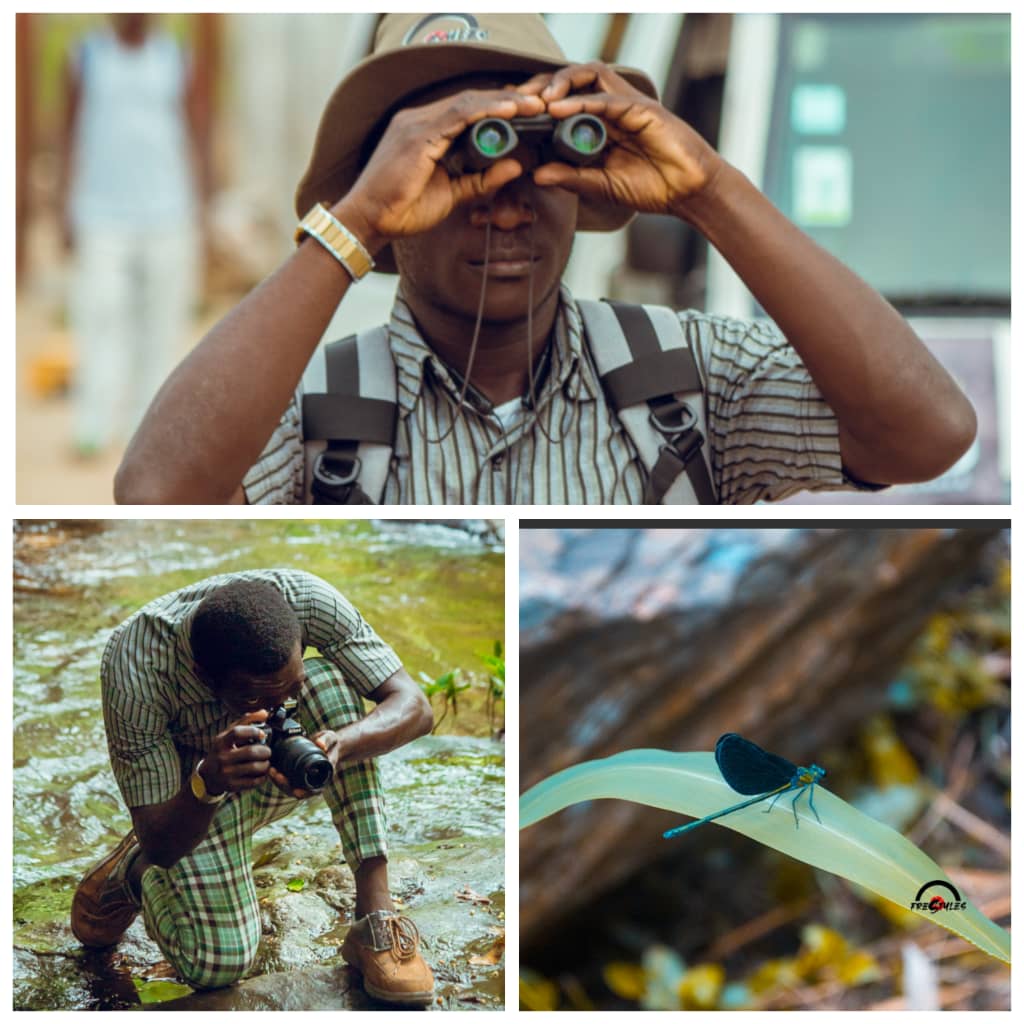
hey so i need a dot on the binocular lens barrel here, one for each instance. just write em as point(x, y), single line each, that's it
point(577, 140)
point(586, 134)
point(493, 138)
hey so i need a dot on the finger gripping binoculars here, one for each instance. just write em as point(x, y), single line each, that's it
point(578, 140)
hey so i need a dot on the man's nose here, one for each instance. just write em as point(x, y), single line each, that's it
point(511, 207)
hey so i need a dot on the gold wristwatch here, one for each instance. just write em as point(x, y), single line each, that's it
point(199, 790)
point(321, 225)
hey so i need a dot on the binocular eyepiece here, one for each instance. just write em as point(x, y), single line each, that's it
point(578, 140)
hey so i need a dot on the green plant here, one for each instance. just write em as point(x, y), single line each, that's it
point(449, 689)
point(495, 664)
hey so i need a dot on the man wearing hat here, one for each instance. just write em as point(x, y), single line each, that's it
point(497, 393)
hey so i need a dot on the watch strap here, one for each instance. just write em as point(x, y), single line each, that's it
point(199, 790)
point(323, 226)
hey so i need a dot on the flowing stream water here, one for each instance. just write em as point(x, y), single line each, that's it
point(436, 594)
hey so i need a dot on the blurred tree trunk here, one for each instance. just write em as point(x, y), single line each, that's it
point(208, 47)
point(669, 638)
point(24, 132)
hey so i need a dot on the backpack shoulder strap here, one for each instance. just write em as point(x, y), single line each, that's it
point(653, 381)
point(349, 411)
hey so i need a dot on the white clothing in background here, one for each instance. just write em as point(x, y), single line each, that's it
point(131, 159)
point(132, 293)
point(133, 211)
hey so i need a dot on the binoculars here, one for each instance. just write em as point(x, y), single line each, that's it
point(578, 140)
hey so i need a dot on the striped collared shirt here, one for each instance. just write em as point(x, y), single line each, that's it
point(161, 719)
point(771, 434)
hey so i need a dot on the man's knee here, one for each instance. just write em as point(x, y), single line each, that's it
point(330, 700)
point(215, 965)
point(204, 953)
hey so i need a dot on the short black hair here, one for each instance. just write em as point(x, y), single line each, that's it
point(245, 625)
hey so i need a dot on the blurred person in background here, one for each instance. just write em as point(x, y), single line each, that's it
point(132, 186)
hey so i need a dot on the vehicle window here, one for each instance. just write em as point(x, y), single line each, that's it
point(890, 145)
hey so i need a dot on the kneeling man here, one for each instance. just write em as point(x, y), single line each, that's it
point(187, 683)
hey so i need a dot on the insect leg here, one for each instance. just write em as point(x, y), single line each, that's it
point(810, 799)
point(800, 793)
point(784, 789)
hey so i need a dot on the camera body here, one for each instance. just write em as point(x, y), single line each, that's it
point(579, 140)
point(299, 759)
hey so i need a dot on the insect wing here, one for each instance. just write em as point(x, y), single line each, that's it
point(748, 769)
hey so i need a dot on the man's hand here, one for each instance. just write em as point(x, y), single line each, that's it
point(654, 163)
point(238, 759)
point(332, 744)
point(404, 190)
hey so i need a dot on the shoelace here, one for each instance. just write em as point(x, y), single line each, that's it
point(405, 938)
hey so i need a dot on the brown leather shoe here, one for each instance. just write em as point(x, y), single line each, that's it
point(103, 907)
point(385, 948)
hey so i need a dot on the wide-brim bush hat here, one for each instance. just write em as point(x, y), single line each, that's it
point(412, 52)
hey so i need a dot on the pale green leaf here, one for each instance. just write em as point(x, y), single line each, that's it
point(160, 991)
point(847, 842)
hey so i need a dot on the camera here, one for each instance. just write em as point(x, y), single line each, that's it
point(578, 140)
point(300, 760)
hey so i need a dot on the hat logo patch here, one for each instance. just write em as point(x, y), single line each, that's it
point(446, 28)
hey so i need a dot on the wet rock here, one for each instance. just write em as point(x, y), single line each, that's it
point(45, 982)
point(336, 889)
point(314, 988)
point(293, 925)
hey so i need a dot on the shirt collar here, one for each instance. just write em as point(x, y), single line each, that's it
point(570, 369)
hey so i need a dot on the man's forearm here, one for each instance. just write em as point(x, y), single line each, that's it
point(214, 414)
point(901, 416)
point(171, 830)
point(397, 720)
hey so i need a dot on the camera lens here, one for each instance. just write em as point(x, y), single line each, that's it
point(302, 762)
point(317, 773)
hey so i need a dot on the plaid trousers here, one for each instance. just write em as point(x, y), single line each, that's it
point(203, 912)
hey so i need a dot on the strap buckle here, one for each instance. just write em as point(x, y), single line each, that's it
point(663, 419)
point(683, 448)
point(349, 470)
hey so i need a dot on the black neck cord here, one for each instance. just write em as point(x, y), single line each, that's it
point(473, 344)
